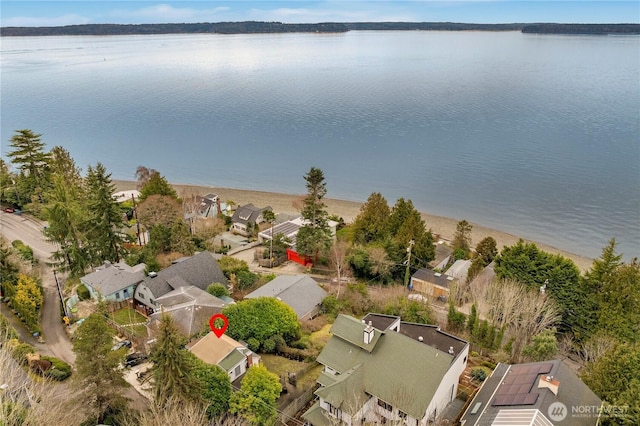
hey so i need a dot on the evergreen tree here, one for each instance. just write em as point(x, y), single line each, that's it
point(619, 302)
point(314, 236)
point(462, 237)
point(172, 366)
point(98, 371)
point(543, 346)
point(406, 225)
point(104, 239)
point(371, 224)
point(62, 164)
point(29, 156)
point(256, 399)
point(157, 185)
point(66, 215)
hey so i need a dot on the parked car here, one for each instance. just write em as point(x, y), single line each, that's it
point(121, 344)
point(9, 210)
point(134, 359)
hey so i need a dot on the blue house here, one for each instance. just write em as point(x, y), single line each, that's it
point(114, 282)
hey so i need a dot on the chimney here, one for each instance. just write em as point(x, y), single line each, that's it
point(368, 333)
point(550, 383)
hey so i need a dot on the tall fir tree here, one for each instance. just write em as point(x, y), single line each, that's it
point(104, 239)
point(98, 371)
point(172, 366)
point(314, 236)
point(29, 156)
point(65, 214)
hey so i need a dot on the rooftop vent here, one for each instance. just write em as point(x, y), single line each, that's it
point(437, 274)
point(451, 350)
point(153, 274)
point(420, 339)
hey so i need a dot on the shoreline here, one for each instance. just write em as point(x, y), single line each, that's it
point(443, 227)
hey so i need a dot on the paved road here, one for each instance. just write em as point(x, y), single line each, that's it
point(29, 231)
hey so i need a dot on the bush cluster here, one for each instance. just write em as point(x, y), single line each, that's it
point(59, 370)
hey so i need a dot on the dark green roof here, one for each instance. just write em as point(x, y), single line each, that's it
point(231, 360)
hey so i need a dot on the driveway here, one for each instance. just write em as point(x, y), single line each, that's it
point(29, 231)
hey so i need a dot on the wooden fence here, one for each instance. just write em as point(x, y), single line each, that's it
point(289, 412)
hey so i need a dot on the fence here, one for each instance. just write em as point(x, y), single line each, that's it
point(290, 411)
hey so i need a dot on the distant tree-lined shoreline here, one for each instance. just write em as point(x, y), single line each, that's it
point(255, 27)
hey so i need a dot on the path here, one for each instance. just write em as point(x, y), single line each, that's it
point(29, 231)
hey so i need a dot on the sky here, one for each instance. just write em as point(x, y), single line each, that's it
point(56, 13)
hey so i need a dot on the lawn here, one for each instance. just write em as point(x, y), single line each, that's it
point(281, 365)
point(126, 316)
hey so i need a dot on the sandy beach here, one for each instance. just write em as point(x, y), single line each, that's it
point(443, 227)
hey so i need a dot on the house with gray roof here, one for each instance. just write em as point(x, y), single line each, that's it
point(199, 270)
point(301, 292)
point(114, 282)
point(390, 371)
point(189, 307)
point(247, 216)
point(538, 393)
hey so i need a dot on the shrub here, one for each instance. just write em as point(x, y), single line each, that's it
point(269, 345)
point(489, 364)
point(59, 370)
point(20, 352)
point(474, 354)
point(25, 251)
point(83, 292)
point(253, 344)
point(479, 374)
point(217, 290)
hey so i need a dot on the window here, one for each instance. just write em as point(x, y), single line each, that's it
point(335, 411)
point(140, 295)
point(118, 296)
point(151, 301)
point(384, 405)
point(402, 415)
point(126, 293)
point(237, 371)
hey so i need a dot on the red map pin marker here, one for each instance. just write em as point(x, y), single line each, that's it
point(218, 331)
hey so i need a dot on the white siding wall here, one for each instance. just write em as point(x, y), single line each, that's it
point(443, 395)
point(144, 295)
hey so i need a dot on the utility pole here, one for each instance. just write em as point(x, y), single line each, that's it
point(135, 212)
point(64, 307)
point(407, 273)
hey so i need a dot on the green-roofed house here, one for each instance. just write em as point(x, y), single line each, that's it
point(380, 369)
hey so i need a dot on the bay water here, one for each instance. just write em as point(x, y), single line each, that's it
point(535, 135)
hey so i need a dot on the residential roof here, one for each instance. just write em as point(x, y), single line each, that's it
point(190, 308)
point(199, 270)
point(315, 416)
point(459, 269)
point(301, 292)
point(217, 351)
point(112, 277)
point(248, 213)
point(123, 196)
point(433, 277)
point(514, 392)
point(366, 370)
point(426, 333)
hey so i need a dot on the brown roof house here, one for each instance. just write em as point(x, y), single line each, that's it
point(199, 270)
point(301, 292)
point(380, 369)
point(544, 393)
point(233, 357)
point(431, 283)
point(189, 307)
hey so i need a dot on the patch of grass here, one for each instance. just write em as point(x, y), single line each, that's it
point(320, 338)
point(126, 316)
point(281, 365)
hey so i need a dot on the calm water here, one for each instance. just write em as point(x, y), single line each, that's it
point(535, 135)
